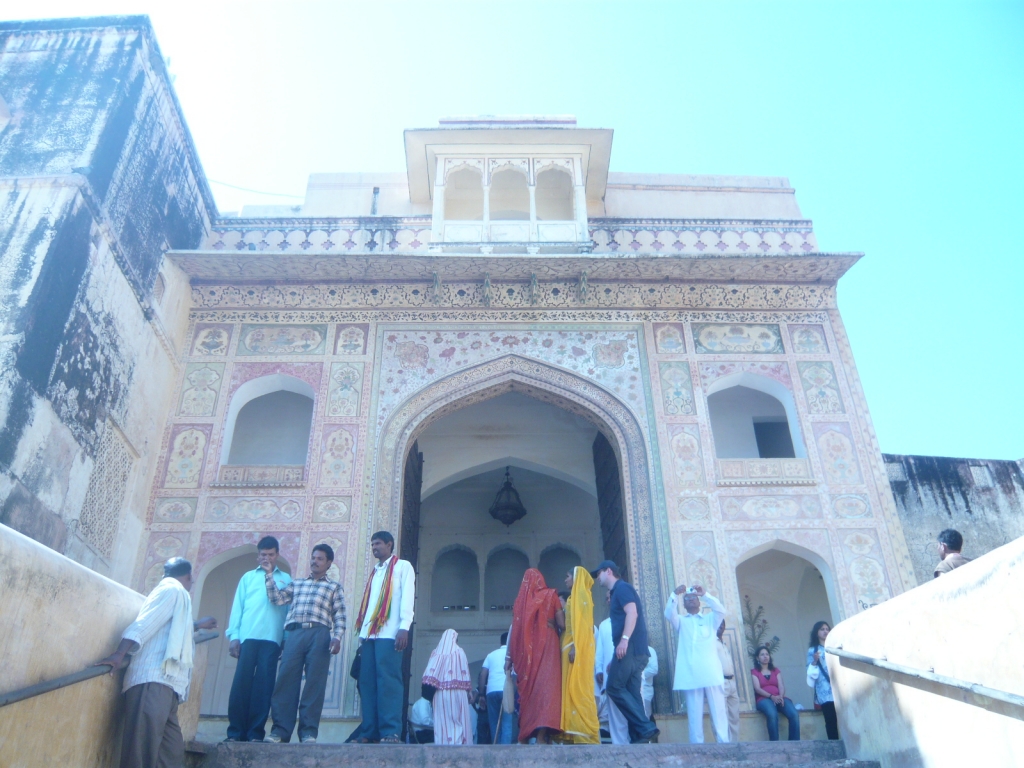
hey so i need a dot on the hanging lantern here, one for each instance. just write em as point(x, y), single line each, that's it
point(507, 508)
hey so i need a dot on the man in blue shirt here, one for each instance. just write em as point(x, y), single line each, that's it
point(255, 632)
point(629, 635)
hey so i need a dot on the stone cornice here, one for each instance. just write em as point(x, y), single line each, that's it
point(246, 267)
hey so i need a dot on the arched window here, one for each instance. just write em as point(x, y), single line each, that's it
point(455, 581)
point(510, 196)
point(464, 195)
point(268, 422)
point(753, 417)
point(273, 429)
point(502, 578)
point(555, 562)
point(554, 195)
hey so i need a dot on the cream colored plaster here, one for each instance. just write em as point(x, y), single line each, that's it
point(59, 617)
point(964, 625)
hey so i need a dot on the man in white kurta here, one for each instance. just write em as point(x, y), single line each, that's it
point(698, 667)
point(618, 726)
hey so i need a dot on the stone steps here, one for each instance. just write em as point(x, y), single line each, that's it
point(800, 754)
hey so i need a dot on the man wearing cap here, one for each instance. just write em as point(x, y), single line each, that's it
point(161, 647)
point(698, 667)
point(629, 635)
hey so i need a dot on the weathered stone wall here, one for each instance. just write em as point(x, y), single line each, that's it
point(984, 500)
point(98, 178)
point(46, 635)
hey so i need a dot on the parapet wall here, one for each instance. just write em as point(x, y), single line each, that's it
point(982, 499)
point(963, 625)
point(58, 617)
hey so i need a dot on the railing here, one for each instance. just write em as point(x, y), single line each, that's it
point(617, 237)
point(88, 673)
point(1015, 701)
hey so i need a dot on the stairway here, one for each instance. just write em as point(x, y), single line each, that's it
point(755, 754)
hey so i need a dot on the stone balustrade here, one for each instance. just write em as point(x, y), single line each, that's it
point(412, 235)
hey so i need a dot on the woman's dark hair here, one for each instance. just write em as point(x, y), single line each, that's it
point(814, 643)
point(758, 653)
point(428, 691)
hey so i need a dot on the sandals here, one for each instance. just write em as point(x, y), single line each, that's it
point(392, 739)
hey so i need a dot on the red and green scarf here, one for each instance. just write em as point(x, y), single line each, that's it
point(382, 609)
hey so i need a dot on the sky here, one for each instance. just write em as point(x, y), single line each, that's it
point(900, 124)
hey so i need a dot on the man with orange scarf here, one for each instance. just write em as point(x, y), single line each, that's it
point(385, 616)
point(534, 649)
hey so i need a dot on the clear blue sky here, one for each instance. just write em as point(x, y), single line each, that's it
point(900, 124)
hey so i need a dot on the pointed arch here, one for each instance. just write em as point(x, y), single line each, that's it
point(565, 390)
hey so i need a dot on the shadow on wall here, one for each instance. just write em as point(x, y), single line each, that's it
point(959, 626)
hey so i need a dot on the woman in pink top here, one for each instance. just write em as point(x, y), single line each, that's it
point(771, 696)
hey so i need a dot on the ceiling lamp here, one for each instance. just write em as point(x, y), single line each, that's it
point(507, 508)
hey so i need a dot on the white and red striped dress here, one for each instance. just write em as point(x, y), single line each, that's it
point(448, 672)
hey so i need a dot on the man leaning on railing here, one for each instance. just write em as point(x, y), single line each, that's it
point(161, 647)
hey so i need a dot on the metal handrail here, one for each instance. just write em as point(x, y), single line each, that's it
point(88, 673)
point(977, 689)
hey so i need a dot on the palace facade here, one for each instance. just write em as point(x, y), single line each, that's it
point(656, 360)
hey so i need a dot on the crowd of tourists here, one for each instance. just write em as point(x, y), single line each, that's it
point(556, 678)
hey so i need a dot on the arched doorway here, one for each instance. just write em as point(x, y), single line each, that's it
point(615, 449)
point(790, 589)
point(215, 592)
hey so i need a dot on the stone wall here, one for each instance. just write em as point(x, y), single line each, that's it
point(960, 626)
point(984, 500)
point(98, 178)
point(45, 634)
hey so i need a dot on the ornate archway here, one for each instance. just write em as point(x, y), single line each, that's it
point(565, 390)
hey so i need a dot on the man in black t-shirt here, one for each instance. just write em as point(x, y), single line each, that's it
point(629, 634)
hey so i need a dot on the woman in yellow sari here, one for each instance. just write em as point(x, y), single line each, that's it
point(579, 707)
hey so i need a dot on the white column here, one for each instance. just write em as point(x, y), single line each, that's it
point(582, 231)
point(437, 217)
point(487, 212)
point(533, 213)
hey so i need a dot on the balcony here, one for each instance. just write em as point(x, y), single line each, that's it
point(742, 472)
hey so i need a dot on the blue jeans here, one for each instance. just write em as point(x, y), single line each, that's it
point(623, 688)
point(494, 714)
point(380, 689)
point(771, 710)
point(251, 689)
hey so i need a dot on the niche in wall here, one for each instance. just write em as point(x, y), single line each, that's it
point(503, 577)
point(750, 424)
point(555, 562)
point(455, 581)
point(272, 429)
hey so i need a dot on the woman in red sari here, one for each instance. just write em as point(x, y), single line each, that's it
point(536, 655)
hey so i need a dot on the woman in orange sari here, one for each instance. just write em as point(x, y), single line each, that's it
point(534, 648)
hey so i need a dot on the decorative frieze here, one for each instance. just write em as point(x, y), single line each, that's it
point(566, 294)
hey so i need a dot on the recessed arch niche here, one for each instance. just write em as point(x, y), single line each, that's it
point(269, 421)
point(455, 580)
point(754, 417)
